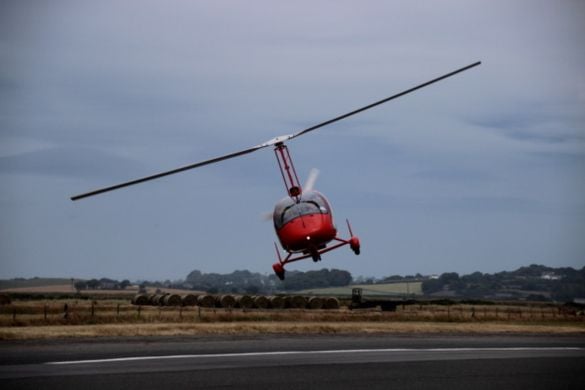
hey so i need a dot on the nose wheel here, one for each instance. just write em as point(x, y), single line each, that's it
point(316, 256)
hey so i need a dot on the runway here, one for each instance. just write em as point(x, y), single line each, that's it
point(297, 362)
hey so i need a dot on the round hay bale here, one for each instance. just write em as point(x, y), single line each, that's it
point(226, 301)
point(277, 302)
point(140, 300)
point(156, 300)
point(331, 303)
point(315, 303)
point(298, 302)
point(151, 299)
point(189, 300)
point(5, 299)
point(171, 300)
point(261, 302)
point(206, 300)
point(245, 302)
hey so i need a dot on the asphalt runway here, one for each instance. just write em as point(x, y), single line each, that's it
point(297, 362)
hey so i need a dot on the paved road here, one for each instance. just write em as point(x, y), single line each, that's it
point(299, 362)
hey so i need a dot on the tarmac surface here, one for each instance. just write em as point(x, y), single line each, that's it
point(297, 362)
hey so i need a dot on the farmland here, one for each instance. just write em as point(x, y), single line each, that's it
point(47, 308)
point(82, 318)
point(381, 289)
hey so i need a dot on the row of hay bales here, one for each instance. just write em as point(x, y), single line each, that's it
point(238, 301)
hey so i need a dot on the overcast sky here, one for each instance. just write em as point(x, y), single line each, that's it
point(483, 172)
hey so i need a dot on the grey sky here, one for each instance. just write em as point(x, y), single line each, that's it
point(484, 171)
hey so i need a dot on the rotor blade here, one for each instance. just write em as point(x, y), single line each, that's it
point(330, 121)
point(311, 180)
point(266, 216)
point(167, 173)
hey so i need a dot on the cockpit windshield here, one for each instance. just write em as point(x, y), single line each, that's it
point(310, 203)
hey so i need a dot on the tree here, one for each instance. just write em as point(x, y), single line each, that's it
point(93, 284)
point(80, 285)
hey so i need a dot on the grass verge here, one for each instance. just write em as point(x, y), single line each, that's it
point(253, 327)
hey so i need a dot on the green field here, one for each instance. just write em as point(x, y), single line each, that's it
point(382, 289)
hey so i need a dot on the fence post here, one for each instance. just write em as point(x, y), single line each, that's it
point(139, 307)
point(45, 312)
point(92, 309)
point(14, 314)
point(118, 310)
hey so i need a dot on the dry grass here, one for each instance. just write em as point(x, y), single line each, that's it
point(303, 327)
point(46, 319)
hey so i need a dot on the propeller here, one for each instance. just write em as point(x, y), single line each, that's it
point(309, 185)
point(273, 141)
point(311, 179)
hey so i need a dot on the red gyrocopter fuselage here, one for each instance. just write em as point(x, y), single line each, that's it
point(303, 220)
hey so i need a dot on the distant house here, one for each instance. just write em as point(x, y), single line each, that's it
point(550, 276)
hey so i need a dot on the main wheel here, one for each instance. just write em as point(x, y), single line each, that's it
point(354, 244)
point(278, 270)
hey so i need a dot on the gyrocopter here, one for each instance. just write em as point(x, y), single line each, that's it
point(303, 220)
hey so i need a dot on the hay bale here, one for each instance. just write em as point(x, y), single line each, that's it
point(189, 300)
point(245, 302)
point(226, 301)
point(171, 300)
point(297, 302)
point(261, 302)
point(277, 302)
point(140, 300)
point(331, 303)
point(315, 303)
point(152, 298)
point(157, 299)
point(206, 300)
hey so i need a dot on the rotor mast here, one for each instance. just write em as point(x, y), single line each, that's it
point(287, 169)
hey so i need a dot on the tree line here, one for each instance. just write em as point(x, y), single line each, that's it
point(534, 282)
point(247, 282)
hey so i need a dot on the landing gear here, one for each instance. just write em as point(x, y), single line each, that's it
point(354, 244)
point(316, 256)
point(278, 270)
point(314, 252)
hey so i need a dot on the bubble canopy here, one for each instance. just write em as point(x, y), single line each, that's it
point(287, 209)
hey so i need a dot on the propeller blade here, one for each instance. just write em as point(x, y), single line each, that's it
point(266, 216)
point(171, 172)
point(311, 179)
point(330, 121)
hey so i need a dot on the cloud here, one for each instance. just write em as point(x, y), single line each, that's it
point(70, 162)
point(542, 123)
